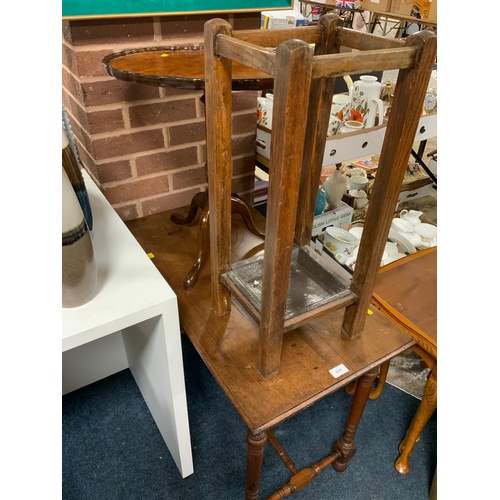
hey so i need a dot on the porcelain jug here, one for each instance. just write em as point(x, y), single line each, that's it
point(411, 216)
point(366, 104)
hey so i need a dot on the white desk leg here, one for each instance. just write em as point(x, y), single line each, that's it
point(154, 355)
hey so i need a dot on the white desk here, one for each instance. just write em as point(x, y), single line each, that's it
point(132, 322)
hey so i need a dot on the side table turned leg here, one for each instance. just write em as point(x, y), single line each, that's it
point(345, 444)
point(424, 412)
point(255, 454)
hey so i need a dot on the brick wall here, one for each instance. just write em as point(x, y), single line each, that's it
point(145, 145)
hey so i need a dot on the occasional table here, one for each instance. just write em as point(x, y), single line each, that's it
point(406, 292)
point(184, 68)
point(316, 360)
point(132, 322)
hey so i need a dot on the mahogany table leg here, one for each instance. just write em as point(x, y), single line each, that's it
point(345, 444)
point(199, 200)
point(424, 412)
point(375, 392)
point(202, 244)
point(255, 454)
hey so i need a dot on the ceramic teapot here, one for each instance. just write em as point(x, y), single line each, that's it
point(366, 104)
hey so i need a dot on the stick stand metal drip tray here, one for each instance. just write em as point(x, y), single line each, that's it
point(314, 286)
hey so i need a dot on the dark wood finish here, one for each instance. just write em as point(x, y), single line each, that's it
point(218, 105)
point(255, 455)
point(366, 41)
point(246, 54)
point(293, 64)
point(345, 444)
point(365, 62)
point(399, 137)
point(228, 344)
point(318, 117)
point(294, 108)
point(180, 67)
point(273, 37)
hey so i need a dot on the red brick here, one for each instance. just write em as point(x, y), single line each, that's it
point(183, 134)
point(243, 184)
point(125, 144)
point(190, 26)
point(168, 202)
point(245, 100)
point(116, 91)
point(74, 108)
point(244, 165)
point(88, 162)
point(72, 85)
point(136, 189)
point(89, 62)
point(164, 112)
point(244, 124)
point(169, 160)
point(69, 59)
point(105, 121)
point(244, 145)
point(128, 212)
point(81, 135)
point(189, 177)
point(114, 171)
point(97, 31)
point(246, 21)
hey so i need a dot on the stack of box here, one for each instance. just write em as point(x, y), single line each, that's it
point(421, 9)
point(282, 19)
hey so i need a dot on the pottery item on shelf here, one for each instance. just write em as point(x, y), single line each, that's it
point(358, 182)
point(366, 104)
point(428, 234)
point(351, 172)
point(335, 187)
point(320, 202)
point(337, 118)
point(74, 172)
point(360, 198)
point(340, 242)
point(402, 226)
point(79, 269)
point(265, 112)
point(411, 216)
point(351, 126)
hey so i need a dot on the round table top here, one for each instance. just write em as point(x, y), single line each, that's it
point(179, 67)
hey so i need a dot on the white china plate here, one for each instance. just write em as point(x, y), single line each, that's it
point(406, 245)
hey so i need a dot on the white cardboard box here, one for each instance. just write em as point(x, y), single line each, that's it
point(415, 193)
point(340, 217)
point(282, 19)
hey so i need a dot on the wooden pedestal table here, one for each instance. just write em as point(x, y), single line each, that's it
point(406, 292)
point(316, 361)
point(184, 68)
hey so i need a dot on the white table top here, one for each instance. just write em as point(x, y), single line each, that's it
point(130, 288)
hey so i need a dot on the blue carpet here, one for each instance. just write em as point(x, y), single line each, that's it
point(112, 448)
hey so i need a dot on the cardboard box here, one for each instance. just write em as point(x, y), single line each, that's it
point(416, 8)
point(407, 193)
point(340, 217)
point(377, 5)
point(282, 19)
point(317, 245)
